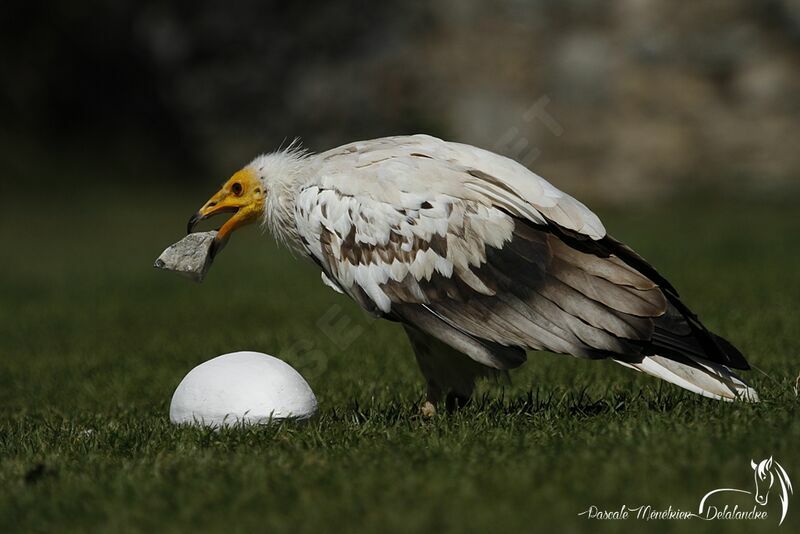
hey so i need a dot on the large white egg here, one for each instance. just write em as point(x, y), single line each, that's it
point(241, 387)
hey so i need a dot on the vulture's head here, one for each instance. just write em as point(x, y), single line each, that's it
point(247, 196)
point(243, 196)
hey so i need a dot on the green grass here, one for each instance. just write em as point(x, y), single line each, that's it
point(93, 342)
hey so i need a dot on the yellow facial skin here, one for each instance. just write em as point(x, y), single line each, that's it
point(243, 195)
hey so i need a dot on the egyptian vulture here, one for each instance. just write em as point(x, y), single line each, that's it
point(478, 258)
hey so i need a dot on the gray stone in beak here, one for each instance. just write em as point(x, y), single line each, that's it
point(190, 257)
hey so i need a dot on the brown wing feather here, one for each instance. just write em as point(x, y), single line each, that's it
point(584, 301)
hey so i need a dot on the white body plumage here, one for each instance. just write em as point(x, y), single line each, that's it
point(481, 259)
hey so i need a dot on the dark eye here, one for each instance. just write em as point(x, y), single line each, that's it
point(237, 189)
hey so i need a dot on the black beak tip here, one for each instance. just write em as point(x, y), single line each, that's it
point(192, 223)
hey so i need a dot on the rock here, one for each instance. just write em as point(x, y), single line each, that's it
point(189, 257)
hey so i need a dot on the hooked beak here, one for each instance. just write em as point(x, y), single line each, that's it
point(243, 195)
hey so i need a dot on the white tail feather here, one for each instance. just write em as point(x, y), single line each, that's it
point(707, 379)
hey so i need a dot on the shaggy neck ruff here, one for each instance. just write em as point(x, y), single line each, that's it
point(283, 173)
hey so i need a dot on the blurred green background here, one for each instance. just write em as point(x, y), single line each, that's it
point(646, 96)
point(677, 122)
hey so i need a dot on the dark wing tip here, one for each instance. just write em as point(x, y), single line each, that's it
point(735, 358)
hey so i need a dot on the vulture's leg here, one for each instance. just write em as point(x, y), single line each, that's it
point(450, 374)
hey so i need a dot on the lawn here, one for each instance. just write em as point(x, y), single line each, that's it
point(93, 341)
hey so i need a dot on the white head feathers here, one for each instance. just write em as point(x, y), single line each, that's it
point(282, 172)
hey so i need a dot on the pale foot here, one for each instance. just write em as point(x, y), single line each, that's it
point(427, 409)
